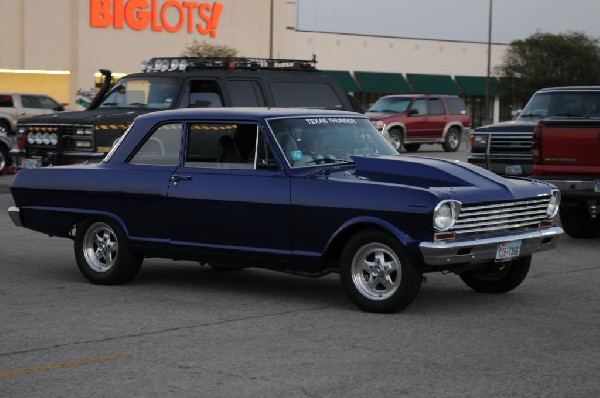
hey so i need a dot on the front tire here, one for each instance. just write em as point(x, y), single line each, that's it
point(4, 159)
point(102, 254)
point(376, 273)
point(396, 139)
point(497, 277)
point(452, 141)
point(577, 222)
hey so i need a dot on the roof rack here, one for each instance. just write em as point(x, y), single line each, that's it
point(196, 63)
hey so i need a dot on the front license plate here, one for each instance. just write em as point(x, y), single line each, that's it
point(597, 186)
point(33, 163)
point(508, 250)
point(513, 169)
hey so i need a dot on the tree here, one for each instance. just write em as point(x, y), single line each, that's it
point(549, 60)
point(204, 49)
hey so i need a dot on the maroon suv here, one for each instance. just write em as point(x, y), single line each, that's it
point(415, 119)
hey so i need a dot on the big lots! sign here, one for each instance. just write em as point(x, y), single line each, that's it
point(141, 14)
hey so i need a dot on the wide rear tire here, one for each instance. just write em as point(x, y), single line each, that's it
point(102, 254)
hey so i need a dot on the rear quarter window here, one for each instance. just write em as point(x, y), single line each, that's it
point(6, 101)
point(456, 106)
point(305, 95)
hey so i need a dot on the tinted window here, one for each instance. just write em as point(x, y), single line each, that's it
point(436, 107)
point(161, 148)
point(227, 146)
point(563, 103)
point(245, 93)
point(39, 101)
point(151, 93)
point(305, 95)
point(420, 106)
point(456, 106)
point(6, 101)
point(204, 94)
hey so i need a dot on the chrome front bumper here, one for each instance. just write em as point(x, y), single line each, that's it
point(484, 250)
point(15, 215)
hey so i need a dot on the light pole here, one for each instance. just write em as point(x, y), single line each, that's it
point(489, 62)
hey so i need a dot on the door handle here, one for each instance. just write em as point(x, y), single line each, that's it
point(177, 178)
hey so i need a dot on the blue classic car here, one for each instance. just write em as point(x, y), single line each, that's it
point(300, 191)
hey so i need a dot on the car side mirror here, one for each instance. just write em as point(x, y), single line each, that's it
point(413, 112)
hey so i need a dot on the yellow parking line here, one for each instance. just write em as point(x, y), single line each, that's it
point(61, 365)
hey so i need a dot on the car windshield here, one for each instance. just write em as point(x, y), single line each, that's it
point(562, 103)
point(313, 141)
point(149, 93)
point(390, 104)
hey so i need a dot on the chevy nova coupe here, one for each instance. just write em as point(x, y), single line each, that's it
point(300, 191)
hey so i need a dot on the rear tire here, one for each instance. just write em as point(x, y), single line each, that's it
point(577, 223)
point(497, 277)
point(452, 141)
point(102, 254)
point(376, 273)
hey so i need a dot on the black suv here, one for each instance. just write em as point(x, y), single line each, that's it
point(167, 83)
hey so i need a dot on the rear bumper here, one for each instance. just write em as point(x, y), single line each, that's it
point(15, 215)
point(589, 189)
point(484, 250)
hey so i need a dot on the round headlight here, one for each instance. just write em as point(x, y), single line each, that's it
point(38, 138)
point(174, 64)
point(183, 64)
point(445, 214)
point(53, 139)
point(379, 125)
point(45, 138)
point(554, 203)
point(31, 138)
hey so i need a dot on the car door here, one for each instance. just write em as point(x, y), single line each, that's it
point(229, 197)
point(436, 119)
point(417, 119)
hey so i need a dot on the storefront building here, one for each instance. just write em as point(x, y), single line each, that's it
point(56, 47)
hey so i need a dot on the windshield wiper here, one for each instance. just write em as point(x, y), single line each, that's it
point(536, 115)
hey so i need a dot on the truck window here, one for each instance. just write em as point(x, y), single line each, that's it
point(203, 94)
point(305, 95)
point(456, 106)
point(436, 107)
point(245, 93)
point(147, 92)
point(6, 101)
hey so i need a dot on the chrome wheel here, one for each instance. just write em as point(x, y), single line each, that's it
point(376, 271)
point(396, 140)
point(100, 247)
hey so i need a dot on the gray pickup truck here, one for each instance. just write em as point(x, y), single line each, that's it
point(15, 106)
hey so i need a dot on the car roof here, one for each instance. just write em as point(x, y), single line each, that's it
point(418, 95)
point(571, 88)
point(242, 113)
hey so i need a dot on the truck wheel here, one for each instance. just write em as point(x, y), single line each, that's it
point(102, 254)
point(497, 277)
point(577, 223)
point(396, 139)
point(452, 141)
point(412, 147)
point(4, 159)
point(376, 274)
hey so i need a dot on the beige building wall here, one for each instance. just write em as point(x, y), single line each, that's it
point(56, 35)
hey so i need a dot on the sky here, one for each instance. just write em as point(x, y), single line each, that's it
point(459, 20)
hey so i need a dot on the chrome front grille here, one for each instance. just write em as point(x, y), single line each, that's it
point(513, 143)
point(501, 217)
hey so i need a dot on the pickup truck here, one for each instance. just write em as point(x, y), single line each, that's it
point(15, 106)
point(505, 148)
point(565, 153)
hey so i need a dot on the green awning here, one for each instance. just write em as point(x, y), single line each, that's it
point(344, 78)
point(382, 82)
point(475, 85)
point(432, 84)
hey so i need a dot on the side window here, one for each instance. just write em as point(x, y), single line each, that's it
point(6, 101)
point(305, 95)
point(245, 93)
point(48, 103)
point(161, 148)
point(30, 101)
point(227, 146)
point(436, 107)
point(420, 106)
point(204, 94)
point(456, 106)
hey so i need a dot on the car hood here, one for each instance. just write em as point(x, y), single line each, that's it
point(96, 116)
point(451, 179)
point(512, 125)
